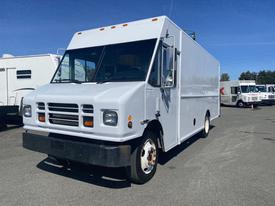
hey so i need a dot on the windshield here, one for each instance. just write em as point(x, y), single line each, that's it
point(261, 88)
point(271, 89)
point(118, 62)
point(248, 88)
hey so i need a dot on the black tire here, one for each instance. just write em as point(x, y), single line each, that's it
point(137, 173)
point(206, 127)
point(240, 104)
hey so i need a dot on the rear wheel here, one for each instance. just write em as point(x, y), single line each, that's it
point(144, 159)
point(206, 128)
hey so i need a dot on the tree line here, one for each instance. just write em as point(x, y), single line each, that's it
point(261, 77)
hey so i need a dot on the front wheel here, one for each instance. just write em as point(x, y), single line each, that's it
point(144, 159)
point(240, 104)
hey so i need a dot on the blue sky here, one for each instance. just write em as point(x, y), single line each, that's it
point(240, 34)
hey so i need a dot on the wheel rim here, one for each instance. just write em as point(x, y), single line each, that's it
point(206, 125)
point(240, 104)
point(148, 156)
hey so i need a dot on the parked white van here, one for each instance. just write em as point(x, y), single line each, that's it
point(121, 94)
point(239, 93)
point(266, 93)
point(20, 75)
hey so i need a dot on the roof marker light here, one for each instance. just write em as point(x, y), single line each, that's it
point(125, 25)
point(112, 27)
point(101, 29)
point(79, 33)
point(154, 19)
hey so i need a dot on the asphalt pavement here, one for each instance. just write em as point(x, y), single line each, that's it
point(234, 165)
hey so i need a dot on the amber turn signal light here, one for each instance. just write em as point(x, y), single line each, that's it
point(41, 117)
point(88, 121)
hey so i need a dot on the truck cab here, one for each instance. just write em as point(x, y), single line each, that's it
point(266, 93)
point(239, 93)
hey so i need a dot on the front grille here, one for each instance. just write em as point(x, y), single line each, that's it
point(41, 106)
point(254, 98)
point(61, 107)
point(67, 114)
point(87, 108)
point(64, 119)
point(271, 97)
point(63, 114)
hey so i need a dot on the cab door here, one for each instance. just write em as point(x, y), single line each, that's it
point(234, 95)
point(169, 93)
point(11, 85)
point(3, 87)
point(162, 92)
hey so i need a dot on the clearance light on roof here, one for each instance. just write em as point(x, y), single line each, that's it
point(154, 19)
point(101, 29)
point(125, 25)
point(113, 27)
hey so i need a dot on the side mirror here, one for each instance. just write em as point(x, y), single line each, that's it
point(238, 93)
point(169, 80)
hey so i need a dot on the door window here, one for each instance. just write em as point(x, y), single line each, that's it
point(234, 90)
point(168, 71)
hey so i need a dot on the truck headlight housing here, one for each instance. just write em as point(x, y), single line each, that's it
point(27, 111)
point(110, 118)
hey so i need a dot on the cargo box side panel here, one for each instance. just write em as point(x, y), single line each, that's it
point(199, 87)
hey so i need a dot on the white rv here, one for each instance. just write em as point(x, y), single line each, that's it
point(266, 93)
point(119, 96)
point(20, 75)
point(239, 93)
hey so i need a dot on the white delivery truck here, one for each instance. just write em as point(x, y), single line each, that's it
point(239, 93)
point(20, 75)
point(123, 93)
point(266, 94)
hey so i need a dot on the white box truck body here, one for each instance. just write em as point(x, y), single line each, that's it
point(20, 75)
point(123, 92)
point(239, 93)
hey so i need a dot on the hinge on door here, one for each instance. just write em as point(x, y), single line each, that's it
point(158, 114)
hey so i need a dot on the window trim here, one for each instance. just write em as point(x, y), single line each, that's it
point(158, 54)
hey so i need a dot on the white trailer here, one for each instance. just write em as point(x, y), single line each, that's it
point(121, 94)
point(20, 75)
point(239, 93)
point(266, 93)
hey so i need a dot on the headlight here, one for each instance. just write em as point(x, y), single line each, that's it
point(110, 118)
point(27, 111)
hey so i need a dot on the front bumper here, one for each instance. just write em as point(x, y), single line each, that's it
point(268, 101)
point(96, 153)
point(252, 103)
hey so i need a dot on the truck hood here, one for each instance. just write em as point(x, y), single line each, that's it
point(109, 91)
point(125, 98)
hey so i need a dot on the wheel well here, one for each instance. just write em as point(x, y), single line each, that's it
point(156, 127)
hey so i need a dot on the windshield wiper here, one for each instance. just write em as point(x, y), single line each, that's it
point(104, 81)
point(69, 81)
